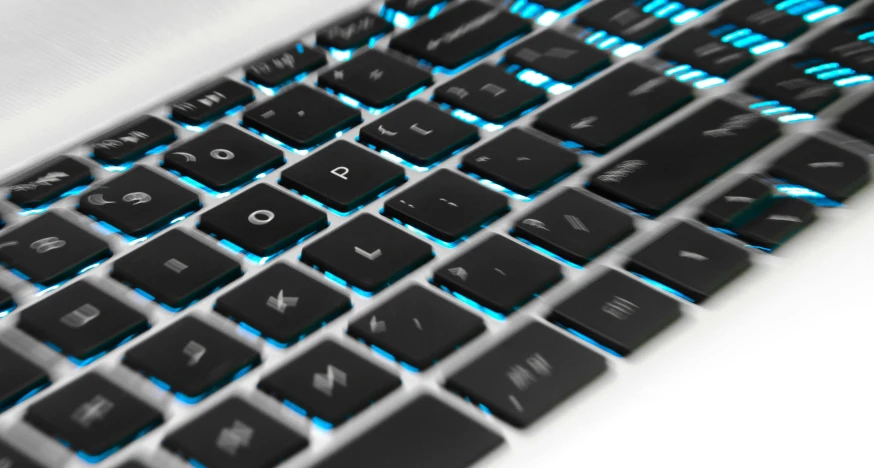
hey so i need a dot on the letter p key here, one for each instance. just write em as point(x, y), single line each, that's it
point(340, 172)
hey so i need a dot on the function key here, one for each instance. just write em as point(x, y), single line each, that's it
point(624, 19)
point(133, 140)
point(211, 102)
point(842, 43)
point(731, 208)
point(376, 79)
point(413, 7)
point(559, 56)
point(833, 171)
point(49, 182)
point(491, 93)
point(857, 121)
point(15, 458)
point(285, 65)
point(18, 378)
point(787, 81)
point(778, 222)
point(762, 17)
point(353, 31)
point(701, 50)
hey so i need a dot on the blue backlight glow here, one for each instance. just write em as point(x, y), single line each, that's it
point(549, 253)
point(795, 118)
point(823, 13)
point(491, 313)
point(853, 80)
point(45, 206)
point(587, 339)
point(663, 287)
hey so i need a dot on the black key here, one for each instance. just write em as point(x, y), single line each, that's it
point(235, 434)
point(82, 321)
point(700, 4)
point(133, 464)
point(559, 56)
point(842, 44)
point(223, 158)
point(521, 161)
point(50, 249)
point(659, 173)
point(699, 49)
point(134, 140)
point(824, 167)
point(498, 274)
point(191, 358)
point(367, 253)
point(690, 260)
point(624, 19)
point(354, 31)
point(7, 301)
point(211, 102)
point(460, 34)
point(857, 121)
point(18, 379)
point(618, 312)
point(301, 117)
point(285, 65)
point(283, 304)
point(575, 225)
point(49, 182)
point(781, 220)
point(413, 7)
point(376, 79)
point(786, 81)
point(528, 374)
point(432, 136)
point(263, 220)
point(762, 17)
point(93, 416)
point(14, 458)
point(731, 208)
point(417, 327)
point(490, 93)
point(176, 269)
point(613, 108)
point(343, 176)
point(449, 439)
point(555, 4)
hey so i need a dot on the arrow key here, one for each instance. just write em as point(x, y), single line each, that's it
point(732, 207)
point(824, 167)
point(783, 218)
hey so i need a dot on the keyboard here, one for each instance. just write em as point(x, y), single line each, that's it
point(432, 222)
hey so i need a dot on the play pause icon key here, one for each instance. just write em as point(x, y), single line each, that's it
point(211, 102)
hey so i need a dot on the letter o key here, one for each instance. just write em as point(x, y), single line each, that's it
point(261, 217)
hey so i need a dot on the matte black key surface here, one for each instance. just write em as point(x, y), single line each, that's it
point(624, 19)
point(50, 249)
point(498, 274)
point(93, 415)
point(777, 223)
point(842, 44)
point(786, 81)
point(763, 18)
point(49, 182)
point(417, 327)
point(283, 303)
point(574, 225)
point(448, 440)
point(376, 79)
point(559, 56)
point(700, 4)
point(367, 252)
point(701, 50)
point(263, 220)
point(330, 382)
point(82, 321)
point(133, 464)
point(618, 312)
point(176, 269)
point(134, 140)
point(555, 4)
point(15, 458)
point(223, 158)
point(234, 434)
point(735, 205)
point(211, 102)
point(301, 117)
point(18, 377)
point(419, 133)
point(460, 34)
point(139, 201)
point(528, 374)
point(447, 206)
point(491, 93)
point(7, 301)
point(343, 176)
point(659, 173)
point(857, 121)
point(831, 170)
point(521, 161)
point(285, 65)
point(695, 262)
point(354, 31)
point(613, 108)
point(191, 357)
point(413, 7)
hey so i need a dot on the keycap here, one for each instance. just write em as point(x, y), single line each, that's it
point(191, 358)
point(7, 300)
point(14, 458)
point(763, 18)
point(93, 416)
point(82, 321)
point(520, 161)
point(376, 79)
point(732, 207)
point(613, 108)
point(662, 171)
point(575, 225)
point(446, 205)
point(176, 269)
point(48, 182)
point(138, 201)
point(413, 7)
point(133, 464)
point(559, 5)
point(778, 222)
point(417, 327)
point(527, 374)
point(211, 102)
point(787, 81)
point(18, 378)
point(690, 260)
point(283, 304)
point(330, 383)
point(696, 47)
point(301, 117)
point(491, 93)
point(432, 136)
point(343, 176)
point(833, 171)
point(857, 120)
point(498, 274)
point(842, 44)
point(367, 253)
point(263, 220)
point(285, 65)
point(624, 19)
point(354, 31)
point(235, 434)
point(460, 34)
point(133, 140)
point(223, 158)
point(448, 440)
point(49, 249)
point(700, 4)
point(559, 56)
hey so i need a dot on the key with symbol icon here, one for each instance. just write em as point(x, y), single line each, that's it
point(493, 94)
point(133, 140)
point(376, 79)
point(211, 102)
point(48, 182)
point(825, 167)
point(559, 56)
point(780, 219)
